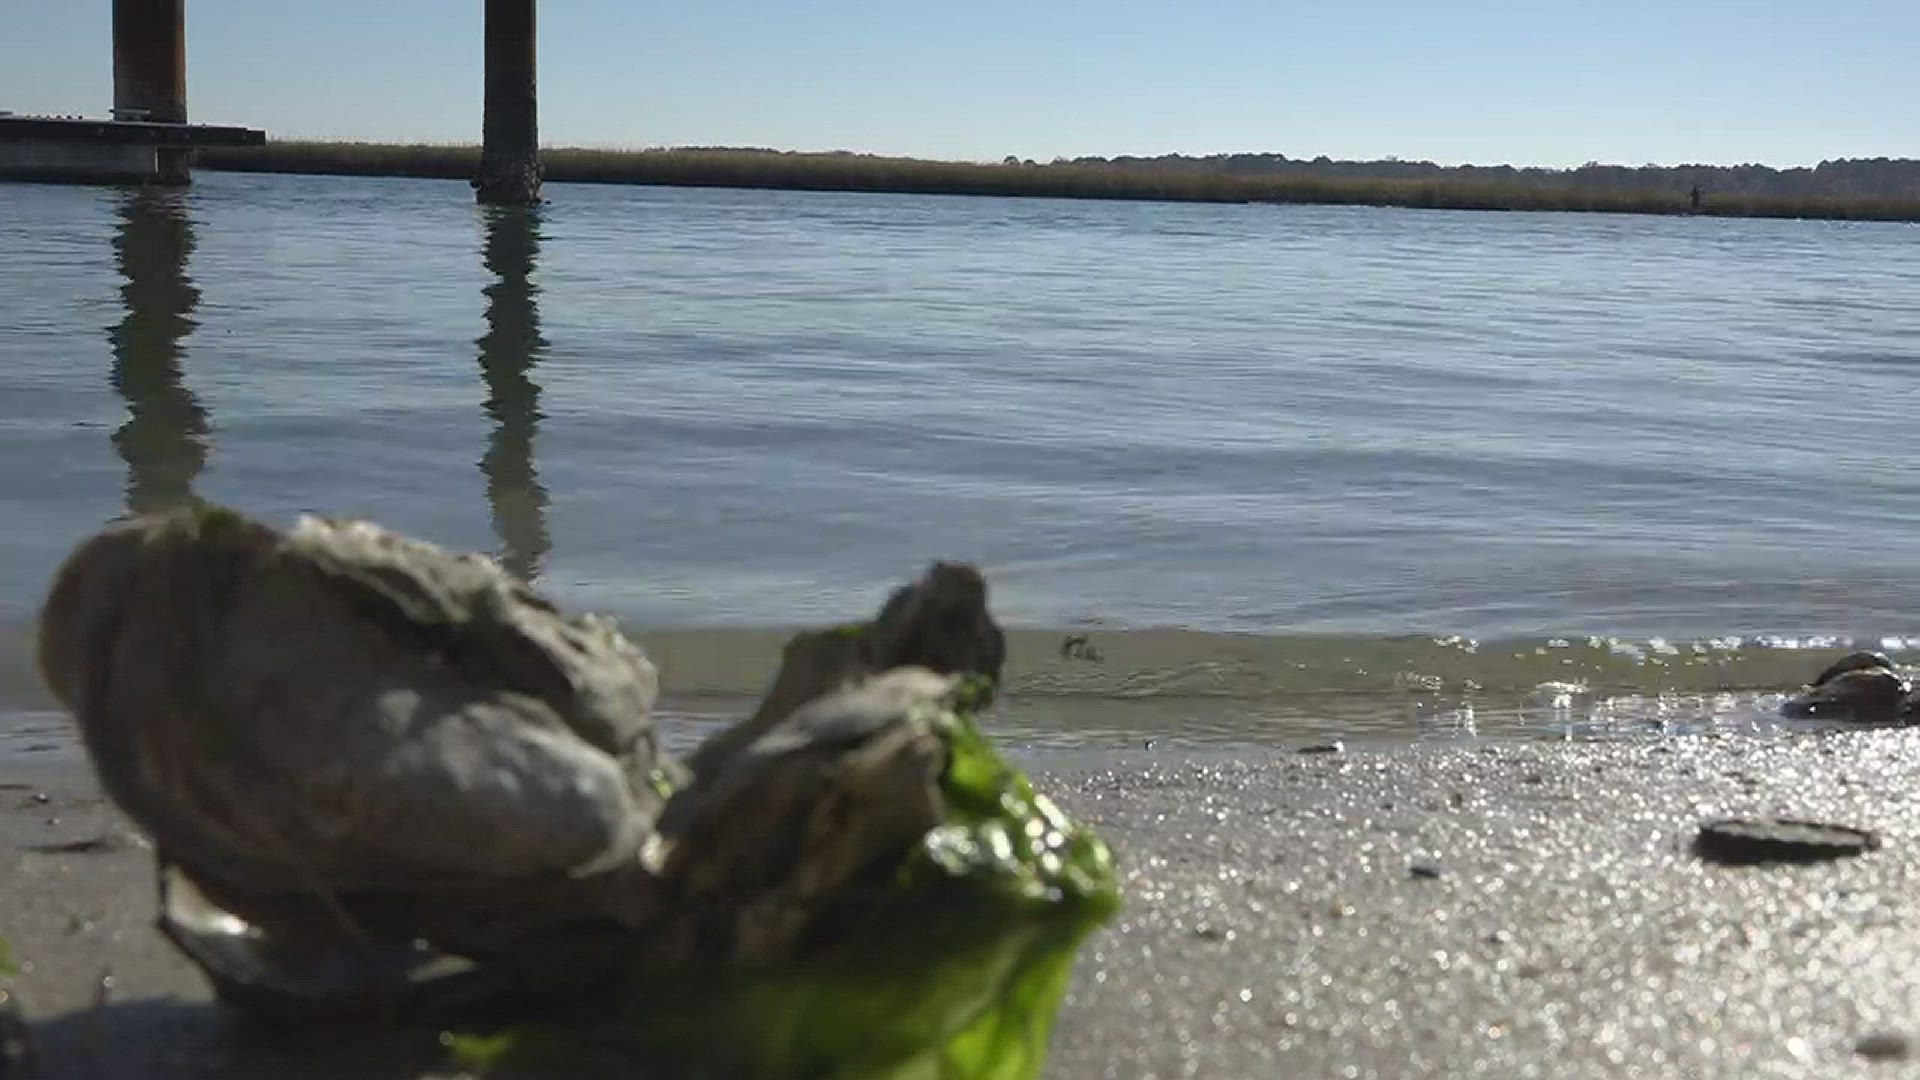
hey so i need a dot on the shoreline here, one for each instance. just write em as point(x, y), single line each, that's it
point(1513, 909)
point(1070, 673)
point(1065, 180)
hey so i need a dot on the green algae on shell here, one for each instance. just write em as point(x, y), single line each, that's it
point(952, 967)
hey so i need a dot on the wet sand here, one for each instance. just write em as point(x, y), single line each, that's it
point(1507, 910)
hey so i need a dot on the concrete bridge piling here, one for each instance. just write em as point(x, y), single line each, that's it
point(510, 130)
point(149, 141)
point(150, 74)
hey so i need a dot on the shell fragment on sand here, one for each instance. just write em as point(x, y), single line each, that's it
point(1750, 842)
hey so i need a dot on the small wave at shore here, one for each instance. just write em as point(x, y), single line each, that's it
point(1087, 688)
point(1146, 664)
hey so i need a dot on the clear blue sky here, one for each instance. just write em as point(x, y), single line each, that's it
point(1542, 82)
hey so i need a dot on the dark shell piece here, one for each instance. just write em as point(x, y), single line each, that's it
point(1864, 693)
point(1853, 661)
point(1745, 842)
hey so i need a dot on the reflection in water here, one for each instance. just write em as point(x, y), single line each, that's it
point(164, 441)
point(509, 350)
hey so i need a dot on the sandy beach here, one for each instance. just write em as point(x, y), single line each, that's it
point(1529, 909)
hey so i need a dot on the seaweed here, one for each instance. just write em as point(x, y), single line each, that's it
point(955, 970)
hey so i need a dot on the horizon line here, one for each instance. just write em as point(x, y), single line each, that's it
point(632, 148)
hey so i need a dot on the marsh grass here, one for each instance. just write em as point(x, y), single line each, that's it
point(859, 172)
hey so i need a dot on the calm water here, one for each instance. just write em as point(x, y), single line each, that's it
point(1626, 457)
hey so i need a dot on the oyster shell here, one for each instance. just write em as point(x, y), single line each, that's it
point(383, 775)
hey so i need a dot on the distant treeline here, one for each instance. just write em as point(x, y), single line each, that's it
point(1855, 190)
point(1889, 179)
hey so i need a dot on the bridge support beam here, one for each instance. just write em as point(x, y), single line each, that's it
point(510, 133)
point(150, 74)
